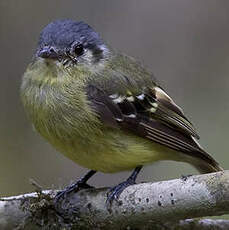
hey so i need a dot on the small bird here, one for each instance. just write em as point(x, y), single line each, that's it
point(103, 109)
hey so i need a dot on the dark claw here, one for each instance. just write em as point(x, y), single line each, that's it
point(115, 192)
point(61, 195)
point(80, 184)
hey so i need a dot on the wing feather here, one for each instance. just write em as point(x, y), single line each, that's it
point(139, 115)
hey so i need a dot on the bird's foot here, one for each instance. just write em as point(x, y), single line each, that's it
point(61, 195)
point(80, 184)
point(114, 193)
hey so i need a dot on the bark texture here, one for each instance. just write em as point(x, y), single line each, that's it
point(161, 205)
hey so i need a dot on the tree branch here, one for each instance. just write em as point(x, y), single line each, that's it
point(158, 205)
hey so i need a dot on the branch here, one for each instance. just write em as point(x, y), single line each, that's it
point(158, 205)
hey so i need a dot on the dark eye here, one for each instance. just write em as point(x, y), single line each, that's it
point(78, 49)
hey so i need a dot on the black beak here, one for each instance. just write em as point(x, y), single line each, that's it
point(48, 52)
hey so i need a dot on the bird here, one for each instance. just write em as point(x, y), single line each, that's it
point(103, 109)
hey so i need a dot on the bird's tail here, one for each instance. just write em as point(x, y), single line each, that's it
point(204, 167)
point(204, 163)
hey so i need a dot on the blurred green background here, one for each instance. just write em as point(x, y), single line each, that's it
point(184, 43)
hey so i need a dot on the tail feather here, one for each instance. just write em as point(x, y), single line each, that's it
point(204, 167)
point(205, 163)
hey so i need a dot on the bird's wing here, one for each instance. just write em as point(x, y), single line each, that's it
point(151, 114)
point(152, 103)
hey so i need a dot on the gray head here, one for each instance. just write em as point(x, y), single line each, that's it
point(71, 42)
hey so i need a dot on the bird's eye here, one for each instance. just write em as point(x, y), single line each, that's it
point(78, 49)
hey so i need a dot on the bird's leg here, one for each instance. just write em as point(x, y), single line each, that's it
point(80, 184)
point(115, 192)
